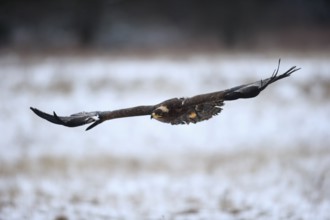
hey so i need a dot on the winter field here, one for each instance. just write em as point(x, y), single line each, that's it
point(261, 158)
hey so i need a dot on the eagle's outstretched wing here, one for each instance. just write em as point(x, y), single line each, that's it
point(205, 106)
point(96, 117)
point(174, 111)
point(249, 90)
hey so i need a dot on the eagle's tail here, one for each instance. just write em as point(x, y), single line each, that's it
point(253, 89)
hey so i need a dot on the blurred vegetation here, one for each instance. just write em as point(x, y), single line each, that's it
point(122, 24)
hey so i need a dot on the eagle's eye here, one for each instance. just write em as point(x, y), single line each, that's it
point(159, 112)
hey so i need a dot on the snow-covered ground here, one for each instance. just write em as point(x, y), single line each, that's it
point(261, 158)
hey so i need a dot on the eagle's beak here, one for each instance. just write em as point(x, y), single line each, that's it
point(154, 116)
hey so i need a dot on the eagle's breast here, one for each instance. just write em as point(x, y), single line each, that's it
point(175, 111)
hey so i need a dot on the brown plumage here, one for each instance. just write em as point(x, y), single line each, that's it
point(174, 111)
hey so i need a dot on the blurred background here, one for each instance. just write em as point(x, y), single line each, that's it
point(261, 158)
point(149, 25)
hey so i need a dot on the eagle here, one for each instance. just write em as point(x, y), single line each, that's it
point(173, 111)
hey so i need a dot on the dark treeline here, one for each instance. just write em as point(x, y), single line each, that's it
point(162, 23)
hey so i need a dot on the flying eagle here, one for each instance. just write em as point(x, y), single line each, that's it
point(173, 111)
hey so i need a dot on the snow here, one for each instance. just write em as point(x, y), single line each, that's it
point(261, 158)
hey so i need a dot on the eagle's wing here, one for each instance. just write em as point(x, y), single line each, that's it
point(203, 107)
point(253, 89)
point(243, 91)
point(96, 117)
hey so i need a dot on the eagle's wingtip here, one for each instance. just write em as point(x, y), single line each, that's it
point(35, 110)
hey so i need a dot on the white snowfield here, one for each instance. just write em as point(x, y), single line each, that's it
point(261, 158)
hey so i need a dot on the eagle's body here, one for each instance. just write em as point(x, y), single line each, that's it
point(174, 111)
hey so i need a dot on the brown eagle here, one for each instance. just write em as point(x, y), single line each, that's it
point(174, 111)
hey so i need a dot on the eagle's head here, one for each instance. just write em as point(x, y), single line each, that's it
point(160, 113)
